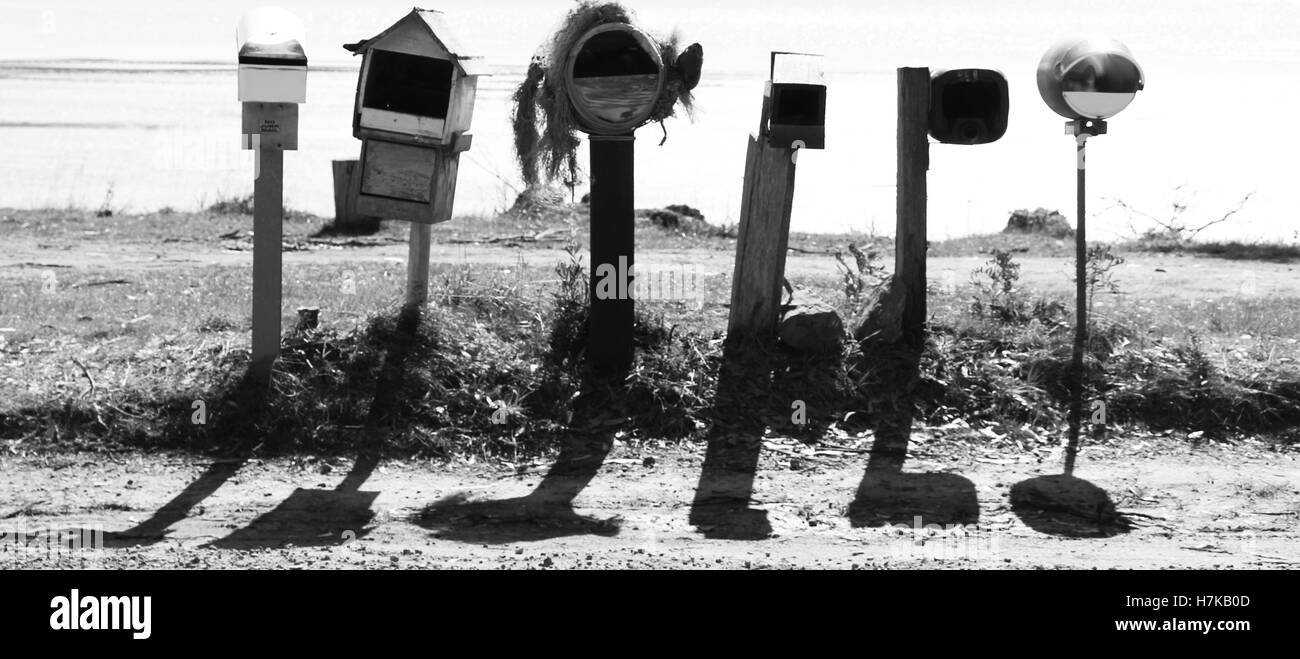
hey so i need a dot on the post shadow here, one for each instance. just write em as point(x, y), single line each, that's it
point(156, 528)
point(887, 495)
point(546, 512)
point(239, 406)
point(313, 517)
point(721, 509)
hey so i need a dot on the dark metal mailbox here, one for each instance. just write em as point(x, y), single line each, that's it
point(968, 106)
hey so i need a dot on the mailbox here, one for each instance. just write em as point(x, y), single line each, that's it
point(615, 74)
point(272, 63)
point(797, 103)
point(968, 106)
point(414, 106)
point(1089, 78)
point(272, 77)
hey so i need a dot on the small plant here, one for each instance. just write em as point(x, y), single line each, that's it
point(1101, 261)
point(1176, 230)
point(860, 278)
point(997, 294)
point(106, 208)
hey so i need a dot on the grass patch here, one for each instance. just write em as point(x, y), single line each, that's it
point(1233, 250)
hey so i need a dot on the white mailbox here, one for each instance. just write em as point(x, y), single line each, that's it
point(272, 63)
point(414, 105)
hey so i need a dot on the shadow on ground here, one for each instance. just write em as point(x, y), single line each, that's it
point(888, 496)
point(311, 517)
point(757, 387)
point(1067, 506)
point(546, 512)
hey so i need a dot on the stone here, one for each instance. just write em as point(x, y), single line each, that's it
point(810, 326)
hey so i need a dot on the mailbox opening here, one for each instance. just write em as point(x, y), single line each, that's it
point(613, 53)
point(799, 104)
point(615, 75)
point(1101, 85)
point(408, 84)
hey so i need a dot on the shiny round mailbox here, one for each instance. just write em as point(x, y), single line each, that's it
point(1089, 78)
point(614, 76)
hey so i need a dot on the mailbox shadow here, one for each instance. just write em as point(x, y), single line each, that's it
point(1067, 506)
point(157, 527)
point(547, 512)
point(721, 509)
point(240, 405)
point(312, 517)
point(887, 495)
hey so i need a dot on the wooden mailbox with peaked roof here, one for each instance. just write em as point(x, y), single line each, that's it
point(414, 106)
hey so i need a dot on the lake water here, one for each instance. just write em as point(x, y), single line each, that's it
point(138, 98)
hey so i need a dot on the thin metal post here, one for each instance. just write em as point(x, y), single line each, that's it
point(1081, 309)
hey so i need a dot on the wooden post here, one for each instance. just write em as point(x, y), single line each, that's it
point(417, 264)
point(613, 231)
point(763, 236)
point(913, 162)
point(268, 228)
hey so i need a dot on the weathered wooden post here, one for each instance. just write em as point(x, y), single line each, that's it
point(272, 82)
point(793, 117)
point(910, 232)
point(1086, 81)
point(414, 106)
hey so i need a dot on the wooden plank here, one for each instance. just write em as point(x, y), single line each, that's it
point(910, 233)
point(394, 209)
point(411, 39)
point(763, 240)
point(408, 124)
point(397, 171)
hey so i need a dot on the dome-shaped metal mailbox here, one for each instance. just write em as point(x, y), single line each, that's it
point(272, 63)
point(614, 77)
point(1089, 78)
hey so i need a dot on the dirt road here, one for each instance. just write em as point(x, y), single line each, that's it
point(1173, 506)
point(1146, 274)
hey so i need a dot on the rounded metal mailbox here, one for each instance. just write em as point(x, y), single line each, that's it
point(968, 106)
point(614, 76)
point(272, 62)
point(1089, 78)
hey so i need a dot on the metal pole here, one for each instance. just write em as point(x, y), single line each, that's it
point(1081, 310)
point(613, 312)
point(268, 230)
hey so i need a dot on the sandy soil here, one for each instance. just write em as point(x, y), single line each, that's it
point(1164, 275)
point(1167, 505)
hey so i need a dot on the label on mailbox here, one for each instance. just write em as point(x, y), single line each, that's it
point(276, 123)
